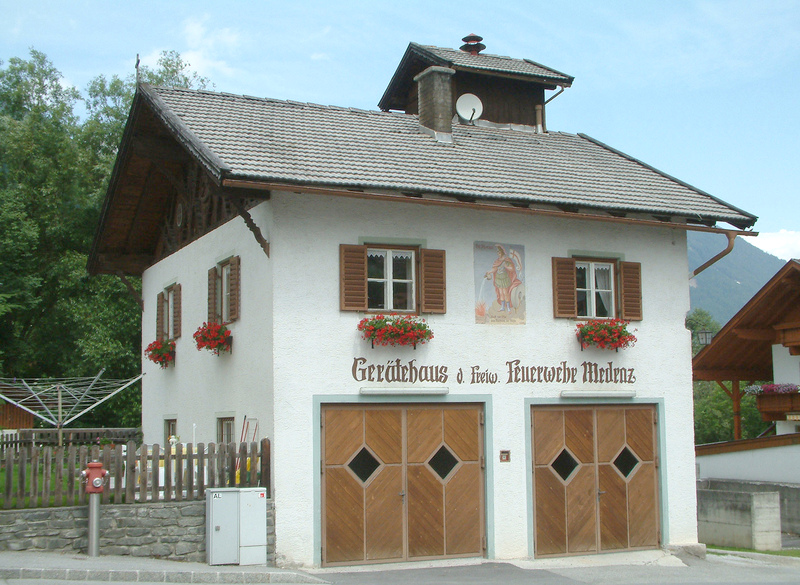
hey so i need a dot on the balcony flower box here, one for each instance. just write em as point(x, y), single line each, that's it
point(605, 334)
point(214, 337)
point(395, 330)
point(774, 401)
point(161, 352)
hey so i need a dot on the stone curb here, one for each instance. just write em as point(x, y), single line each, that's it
point(158, 576)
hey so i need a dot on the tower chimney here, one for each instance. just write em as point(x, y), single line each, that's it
point(435, 95)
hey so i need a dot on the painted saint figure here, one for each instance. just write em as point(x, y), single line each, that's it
point(504, 275)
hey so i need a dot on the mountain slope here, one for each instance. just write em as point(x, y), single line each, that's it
point(726, 286)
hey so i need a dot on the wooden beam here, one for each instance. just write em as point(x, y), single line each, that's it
point(724, 387)
point(130, 264)
point(712, 375)
point(251, 225)
point(755, 334)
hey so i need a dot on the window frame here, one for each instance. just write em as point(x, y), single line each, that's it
point(170, 424)
point(222, 422)
point(627, 288)
point(224, 283)
point(389, 279)
point(168, 313)
point(592, 264)
point(431, 278)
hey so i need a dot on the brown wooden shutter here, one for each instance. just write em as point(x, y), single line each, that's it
point(212, 295)
point(234, 282)
point(630, 280)
point(176, 311)
point(433, 289)
point(160, 316)
point(565, 302)
point(352, 278)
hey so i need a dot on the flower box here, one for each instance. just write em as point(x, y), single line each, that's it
point(214, 337)
point(775, 400)
point(605, 334)
point(395, 330)
point(161, 352)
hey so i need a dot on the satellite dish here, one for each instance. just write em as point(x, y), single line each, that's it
point(469, 107)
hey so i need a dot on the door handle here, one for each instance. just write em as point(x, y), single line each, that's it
point(402, 494)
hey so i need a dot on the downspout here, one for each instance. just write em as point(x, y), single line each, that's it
point(731, 235)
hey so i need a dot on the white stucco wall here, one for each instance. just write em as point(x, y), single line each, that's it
point(785, 367)
point(315, 345)
point(200, 387)
point(775, 464)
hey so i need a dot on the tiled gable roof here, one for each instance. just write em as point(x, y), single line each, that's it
point(297, 143)
point(493, 63)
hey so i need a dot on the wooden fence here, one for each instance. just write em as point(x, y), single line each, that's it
point(69, 436)
point(50, 476)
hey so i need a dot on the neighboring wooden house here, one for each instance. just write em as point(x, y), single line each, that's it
point(500, 437)
point(760, 343)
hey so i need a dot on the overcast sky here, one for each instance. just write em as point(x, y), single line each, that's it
point(706, 91)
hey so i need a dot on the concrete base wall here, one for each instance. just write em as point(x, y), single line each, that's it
point(789, 496)
point(739, 519)
point(175, 530)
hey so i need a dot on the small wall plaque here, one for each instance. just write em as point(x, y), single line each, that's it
point(505, 456)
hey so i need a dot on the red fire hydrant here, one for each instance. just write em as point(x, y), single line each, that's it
point(95, 478)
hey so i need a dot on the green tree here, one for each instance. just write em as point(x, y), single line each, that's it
point(55, 321)
point(713, 408)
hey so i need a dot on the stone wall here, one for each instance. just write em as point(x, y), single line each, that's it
point(789, 496)
point(740, 519)
point(174, 530)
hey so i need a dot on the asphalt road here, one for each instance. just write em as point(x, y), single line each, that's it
point(715, 569)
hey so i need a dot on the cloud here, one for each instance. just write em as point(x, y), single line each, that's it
point(784, 244)
point(320, 57)
point(207, 47)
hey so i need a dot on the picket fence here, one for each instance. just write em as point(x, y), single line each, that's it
point(51, 476)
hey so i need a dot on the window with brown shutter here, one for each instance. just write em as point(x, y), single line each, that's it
point(596, 288)
point(224, 286)
point(168, 313)
point(400, 279)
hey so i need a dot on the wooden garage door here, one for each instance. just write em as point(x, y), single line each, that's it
point(401, 482)
point(595, 484)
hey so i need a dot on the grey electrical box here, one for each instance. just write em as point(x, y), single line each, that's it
point(236, 526)
point(222, 526)
point(252, 526)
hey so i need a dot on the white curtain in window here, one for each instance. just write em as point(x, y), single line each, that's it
point(602, 284)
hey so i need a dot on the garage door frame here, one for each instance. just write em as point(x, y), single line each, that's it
point(401, 398)
point(600, 400)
